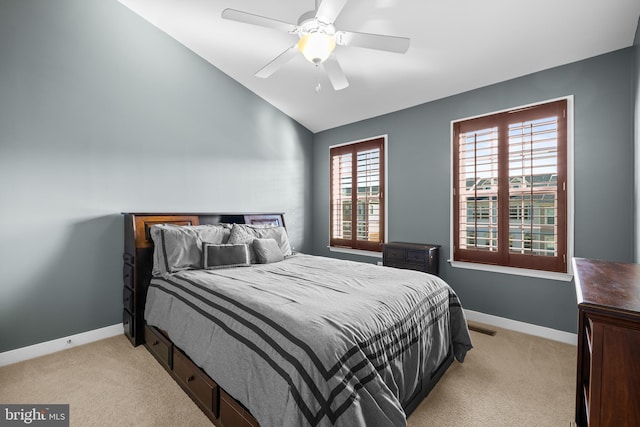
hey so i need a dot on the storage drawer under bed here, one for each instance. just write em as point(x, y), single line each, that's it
point(159, 346)
point(233, 414)
point(202, 389)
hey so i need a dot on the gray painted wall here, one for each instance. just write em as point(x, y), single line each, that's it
point(419, 180)
point(102, 113)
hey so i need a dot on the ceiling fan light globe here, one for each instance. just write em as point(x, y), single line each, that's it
point(316, 47)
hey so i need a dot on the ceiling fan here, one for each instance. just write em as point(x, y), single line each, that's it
point(318, 38)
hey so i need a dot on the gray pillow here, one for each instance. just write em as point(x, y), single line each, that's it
point(217, 256)
point(267, 251)
point(240, 235)
point(269, 232)
point(179, 247)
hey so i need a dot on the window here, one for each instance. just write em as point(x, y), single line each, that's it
point(510, 188)
point(357, 189)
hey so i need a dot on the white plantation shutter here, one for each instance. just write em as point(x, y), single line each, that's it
point(357, 189)
point(341, 196)
point(368, 195)
point(533, 187)
point(510, 188)
point(478, 189)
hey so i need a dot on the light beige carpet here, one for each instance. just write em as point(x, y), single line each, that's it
point(509, 379)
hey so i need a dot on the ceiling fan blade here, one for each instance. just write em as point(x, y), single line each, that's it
point(329, 10)
point(263, 21)
point(334, 72)
point(278, 62)
point(373, 41)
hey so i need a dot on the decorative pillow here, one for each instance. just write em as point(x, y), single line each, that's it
point(179, 247)
point(267, 251)
point(239, 235)
point(225, 255)
point(279, 234)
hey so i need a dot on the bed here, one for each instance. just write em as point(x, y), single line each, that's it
point(259, 335)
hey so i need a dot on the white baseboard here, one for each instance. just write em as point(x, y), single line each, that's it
point(525, 328)
point(41, 349)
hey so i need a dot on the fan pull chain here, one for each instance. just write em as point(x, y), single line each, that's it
point(318, 87)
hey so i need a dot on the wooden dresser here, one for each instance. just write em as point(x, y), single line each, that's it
point(412, 256)
point(608, 375)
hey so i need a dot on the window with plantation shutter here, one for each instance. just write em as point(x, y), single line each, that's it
point(510, 198)
point(357, 189)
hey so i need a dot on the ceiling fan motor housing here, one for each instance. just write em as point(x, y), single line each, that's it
point(317, 39)
point(308, 23)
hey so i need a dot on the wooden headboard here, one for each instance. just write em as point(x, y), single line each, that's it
point(138, 256)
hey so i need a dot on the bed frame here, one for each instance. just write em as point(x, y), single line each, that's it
point(220, 407)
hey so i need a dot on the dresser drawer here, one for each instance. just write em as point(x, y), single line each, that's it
point(127, 275)
point(127, 323)
point(233, 414)
point(127, 298)
point(202, 389)
point(159, 346)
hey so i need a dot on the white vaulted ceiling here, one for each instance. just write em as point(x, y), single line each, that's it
point(456, 45)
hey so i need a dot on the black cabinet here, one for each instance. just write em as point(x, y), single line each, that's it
point(412, 256)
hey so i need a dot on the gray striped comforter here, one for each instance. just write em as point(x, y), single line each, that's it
point(312, 341)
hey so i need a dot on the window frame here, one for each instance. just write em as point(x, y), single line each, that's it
point(496, 263)
point(354, 246)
